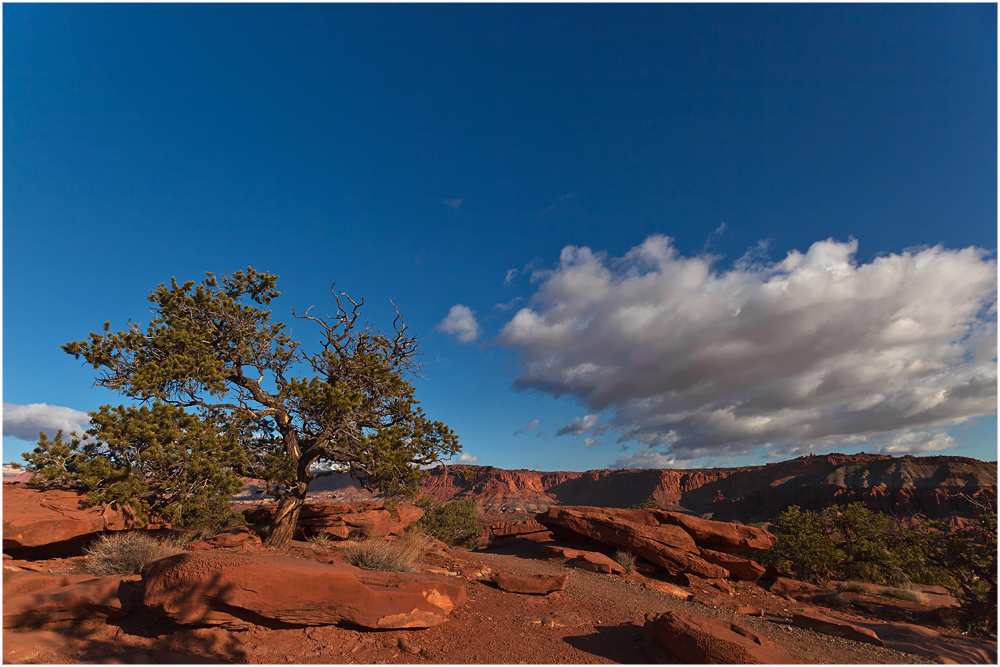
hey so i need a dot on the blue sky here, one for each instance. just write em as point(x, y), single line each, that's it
point(643, 235)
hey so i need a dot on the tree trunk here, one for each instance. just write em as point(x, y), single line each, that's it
point(283, 525)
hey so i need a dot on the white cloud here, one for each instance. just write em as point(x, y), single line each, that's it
point(460, 323)
point(590, 442)
point(578, 426)
point(466, 457)
point(534, 423)
point(508, 279)
point(650, 458)
point(815, 350)
point(453, 203)
point(504, 307)
point(25, 421)
point(919, 443)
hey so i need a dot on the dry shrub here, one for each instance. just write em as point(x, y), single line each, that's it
point(908, 593)
point(126, 553)
point(387, 555)
point(837, 600)
point(320, 541)
point(856, 587)
point(626, 559)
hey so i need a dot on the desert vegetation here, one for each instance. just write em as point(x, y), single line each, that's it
point(227, 392)
point(387, 554)
point(866, 547)
point(126, 553)
point(453, 523)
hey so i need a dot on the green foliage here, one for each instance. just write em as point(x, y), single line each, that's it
point(211, 347)
point(803, 541)
point(387, 555)
point(453, 523)
point(648, 504)
point(154, 463)
point(855, 543)
point(969, 558)
point(125, 553)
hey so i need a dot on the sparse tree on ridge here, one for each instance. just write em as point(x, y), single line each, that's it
point(212, 348)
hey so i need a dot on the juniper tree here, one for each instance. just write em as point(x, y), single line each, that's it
point(212, 349)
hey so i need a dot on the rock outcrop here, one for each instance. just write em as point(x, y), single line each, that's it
point(35, 517)
point(674, 542)
point(110, 597)
point(235, 590)
point(344, 520)
point(835, 627)
point(677, 636)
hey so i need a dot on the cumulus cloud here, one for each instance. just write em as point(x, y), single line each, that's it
point(453, 203)
point(504, 307)
point(25, 421)
point(579, 426)
point(521, 431)
point(466, 457)
point(590, 442)
point(919, 443)
point(813, 350)
point(460, 323)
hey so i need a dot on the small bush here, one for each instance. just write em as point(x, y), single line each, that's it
point(126, 553)
point(837, 600)
point(856, 587)
point(908, 593)
point(453, 523)
point(386, 555)
point(647, 504)
point(626, 559)
point(320, 540)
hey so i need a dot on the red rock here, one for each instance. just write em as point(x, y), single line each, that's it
point(107, 596)
point(666, 546)
point(20, 582)
point(740, 569)
point(236, 589)
point(679, 636)
point(509, 528)
point(719, 535)
point(668, 588)
point(538, 584)
point(229, 538)
point(835, 627)
point(749, 610)
point(793, 589)
point(597, 562)
point(557, 551)
point(33, 517)
point(344, 520)
point(33, 646)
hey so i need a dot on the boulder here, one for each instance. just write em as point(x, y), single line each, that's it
point(21, 582)
point(668, 588)
point(510, 528)
point(36, 517)
point(719, 535)
point(740, 569)
point(106, 596)
point(667, 546)
point(235, 590)
point(793, 589)
point(230, 538)
point(344, 520)
point(597, 562)
point(835, 627)
point(691, 639)
point(749, 610)
point(537, 584)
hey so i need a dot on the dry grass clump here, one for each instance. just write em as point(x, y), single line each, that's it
point(626, 559)
point(126, 553)
point(837, 600)
point(856, 587)
point(321, 541)
point(908, 593)
point(387, 555)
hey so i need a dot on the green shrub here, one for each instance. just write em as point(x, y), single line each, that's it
point(872, 544)
point(647, 504)
point(803, 541)
point(126, 552)
point(626, 559)
point(453, 523)
point(836, 600)
point(387, 555)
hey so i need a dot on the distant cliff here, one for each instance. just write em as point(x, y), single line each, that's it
point(932, 485)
